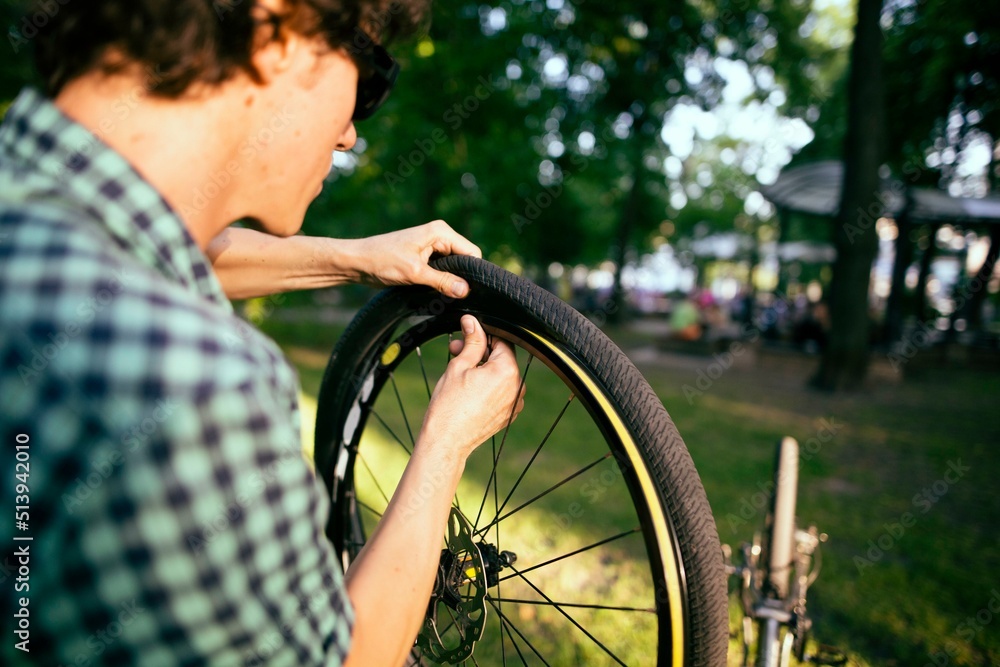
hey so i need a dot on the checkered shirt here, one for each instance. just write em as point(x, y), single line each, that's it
point(173, 518)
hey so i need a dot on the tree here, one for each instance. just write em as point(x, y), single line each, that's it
point(845, 359)
point(943, 77)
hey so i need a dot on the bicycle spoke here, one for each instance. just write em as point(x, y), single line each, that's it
point(513, 627)
point(572, 620)
point(368, 507)
point(549, 490)
point(399, 399)
point(392, 433)
point(578, 551)
point(453, 623)
point(479, 514)
point(497, 453)
point(496, 496)
point(503, 627)
point(423, 371)
point(450, 626)
point(577, 605)
point(534, 455)
point(377, 485)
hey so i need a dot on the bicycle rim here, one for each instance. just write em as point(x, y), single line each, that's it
point(600, 574)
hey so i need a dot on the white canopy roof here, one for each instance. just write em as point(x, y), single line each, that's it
point(815, 188)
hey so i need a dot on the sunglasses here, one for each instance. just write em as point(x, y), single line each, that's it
point(377, 72)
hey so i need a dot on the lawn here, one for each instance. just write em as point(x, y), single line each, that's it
point(902, 477)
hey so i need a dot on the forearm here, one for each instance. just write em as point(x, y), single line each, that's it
point(251, 264)
point(391, 581)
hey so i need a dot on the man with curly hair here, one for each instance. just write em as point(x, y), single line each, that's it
point(173, 520)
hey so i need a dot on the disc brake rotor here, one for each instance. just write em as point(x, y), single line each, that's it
point(459, 599)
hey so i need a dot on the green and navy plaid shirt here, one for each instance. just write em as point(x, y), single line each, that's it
point(173, 520)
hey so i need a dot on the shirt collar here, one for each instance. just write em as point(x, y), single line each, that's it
point(86, 174)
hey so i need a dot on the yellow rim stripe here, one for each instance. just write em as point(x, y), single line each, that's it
point(652, 501)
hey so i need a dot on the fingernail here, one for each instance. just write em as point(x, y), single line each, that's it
point(468, 324)
point(459, 289)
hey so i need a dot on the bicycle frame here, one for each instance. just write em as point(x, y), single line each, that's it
point(776, 573)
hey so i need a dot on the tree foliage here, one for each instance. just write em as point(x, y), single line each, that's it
point(943, 78)
point(565, 159)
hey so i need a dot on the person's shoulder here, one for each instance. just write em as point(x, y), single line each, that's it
point(84, 307)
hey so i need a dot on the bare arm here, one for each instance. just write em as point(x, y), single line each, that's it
point(392, 579)
point(250, 263)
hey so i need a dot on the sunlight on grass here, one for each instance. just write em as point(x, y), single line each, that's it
point(611, 576)
point(307, 411)
point(908, 607)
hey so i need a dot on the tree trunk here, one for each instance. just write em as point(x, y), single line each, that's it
point(784, 222)
point(902, 261)
point(845, 359)
point(925, 272)
point(626, 223)
point(978, 285)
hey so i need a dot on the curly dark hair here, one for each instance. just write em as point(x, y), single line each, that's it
point(182, 42)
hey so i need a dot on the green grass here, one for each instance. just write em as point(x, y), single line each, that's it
point(914, 603)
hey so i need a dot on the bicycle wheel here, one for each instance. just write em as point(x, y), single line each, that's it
point(581, 534)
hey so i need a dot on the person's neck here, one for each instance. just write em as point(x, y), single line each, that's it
point(176, 144)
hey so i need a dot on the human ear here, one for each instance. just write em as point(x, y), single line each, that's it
point(275, 57)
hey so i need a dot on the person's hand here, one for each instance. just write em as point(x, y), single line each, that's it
point(400, 258)
point(479, 394)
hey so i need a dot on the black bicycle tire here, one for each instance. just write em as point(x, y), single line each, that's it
point(664, 454)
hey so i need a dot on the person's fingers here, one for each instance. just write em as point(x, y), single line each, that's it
point(446, 283)
point(502, 352)
point(455, 346)
point(449, 242)
point(474, 343)
point(518, 405)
